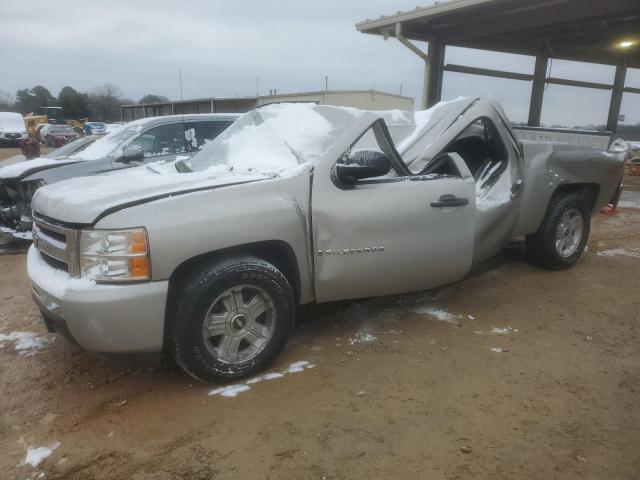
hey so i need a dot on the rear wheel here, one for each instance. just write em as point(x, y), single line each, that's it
point(563, 234)
point(232, 318)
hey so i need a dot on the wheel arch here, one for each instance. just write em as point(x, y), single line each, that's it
point(276, 252)
point(588, 191)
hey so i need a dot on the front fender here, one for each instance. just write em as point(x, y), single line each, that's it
point(186, 226)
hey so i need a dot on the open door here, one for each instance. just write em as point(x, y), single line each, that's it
point(377, 233)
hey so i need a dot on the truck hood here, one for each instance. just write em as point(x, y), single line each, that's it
point(82, 200)
point(22, 168)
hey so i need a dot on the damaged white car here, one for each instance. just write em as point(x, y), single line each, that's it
point(208, 258)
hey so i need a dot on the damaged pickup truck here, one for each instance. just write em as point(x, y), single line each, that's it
point(207, 258)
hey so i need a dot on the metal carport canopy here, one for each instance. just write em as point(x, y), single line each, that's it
point(580, 30)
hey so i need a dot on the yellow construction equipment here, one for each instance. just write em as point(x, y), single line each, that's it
point(32, 122)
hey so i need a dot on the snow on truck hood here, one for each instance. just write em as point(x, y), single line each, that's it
point(83, 199)
point(20, 168)
point(275, 141)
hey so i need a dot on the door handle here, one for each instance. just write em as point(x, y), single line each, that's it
point(450, 200)
point(516, 188)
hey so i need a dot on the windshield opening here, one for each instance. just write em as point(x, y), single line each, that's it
point(106, 145)
point(274, 138)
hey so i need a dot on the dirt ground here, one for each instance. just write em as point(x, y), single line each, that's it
point(513, 373)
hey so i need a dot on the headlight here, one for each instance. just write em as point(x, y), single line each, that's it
point(115, 255)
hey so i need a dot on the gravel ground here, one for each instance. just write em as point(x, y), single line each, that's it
point(515, 372)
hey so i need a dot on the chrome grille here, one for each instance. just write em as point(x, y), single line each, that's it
point(57, 245)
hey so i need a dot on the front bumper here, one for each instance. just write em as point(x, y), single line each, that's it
point(12, 138)
point(108, 319)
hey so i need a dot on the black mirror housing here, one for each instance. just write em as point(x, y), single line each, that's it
point(361, 164)
point(132, 152)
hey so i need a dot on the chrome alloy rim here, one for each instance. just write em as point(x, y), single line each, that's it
point(569, 232)
point(239, 324)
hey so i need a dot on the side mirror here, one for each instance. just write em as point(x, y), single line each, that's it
point(132, 152)
point(362, 164)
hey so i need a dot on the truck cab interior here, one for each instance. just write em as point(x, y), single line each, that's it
point(482, 150)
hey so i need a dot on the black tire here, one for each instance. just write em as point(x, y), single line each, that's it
point(616, 196)
point(203, 285)
point(541, 246)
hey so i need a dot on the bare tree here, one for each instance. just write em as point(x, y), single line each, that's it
point(105, 102)
point(7, 101)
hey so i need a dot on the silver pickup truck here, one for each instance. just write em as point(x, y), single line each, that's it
point(207, 258)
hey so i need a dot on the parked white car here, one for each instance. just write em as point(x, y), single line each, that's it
point(42, 131)
point(12, 128)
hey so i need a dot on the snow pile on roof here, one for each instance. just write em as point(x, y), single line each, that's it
point(18, 169)
point(114, 127)
point(52, 281)
point(422, 120)
point(271, 139)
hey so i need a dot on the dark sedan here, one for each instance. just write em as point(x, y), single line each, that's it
point(59, 135)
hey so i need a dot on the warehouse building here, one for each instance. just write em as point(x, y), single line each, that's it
point(364, 99)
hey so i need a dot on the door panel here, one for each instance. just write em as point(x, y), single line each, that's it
point(498, 207)
point(382, 238)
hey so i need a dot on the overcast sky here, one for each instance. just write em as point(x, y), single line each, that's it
point(222, 46)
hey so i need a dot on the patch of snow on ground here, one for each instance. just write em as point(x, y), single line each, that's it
point(629, 200)
point(299, 366)
point(620, 252)
point(362, 337)
point(26, 343)
point(502, 330)
point(52, 281)
point(35, 456)
point(234, 390)
point(439, 314)
point(230, 390)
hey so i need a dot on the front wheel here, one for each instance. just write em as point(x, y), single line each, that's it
point(563, 234)
point(231, 319)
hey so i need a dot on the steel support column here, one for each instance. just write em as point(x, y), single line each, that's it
point(616, 97)
point(434, 71)
point(537, 90)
